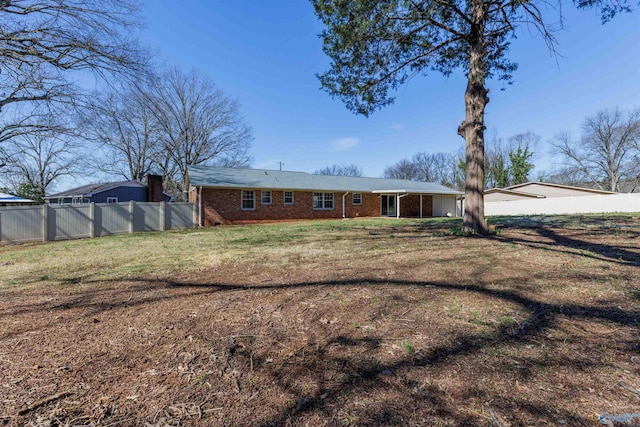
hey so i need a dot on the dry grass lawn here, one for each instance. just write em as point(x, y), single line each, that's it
point(366, 323)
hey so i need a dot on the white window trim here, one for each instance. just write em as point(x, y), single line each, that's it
point(112, 200)
point(353, 197)
point(324, 201)
point(284, 198)
point(262, 194)
point(242, 199)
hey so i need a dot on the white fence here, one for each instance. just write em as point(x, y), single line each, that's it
point(62, 222)
point(566, 205)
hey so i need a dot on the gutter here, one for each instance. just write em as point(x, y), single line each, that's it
point(398, 207)
point(200, 207)
point(343, 205)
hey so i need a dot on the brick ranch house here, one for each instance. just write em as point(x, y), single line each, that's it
point(230, 195)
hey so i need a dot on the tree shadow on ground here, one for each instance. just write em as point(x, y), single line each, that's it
point(627, 222)
point(570, 244)
point(360, 376)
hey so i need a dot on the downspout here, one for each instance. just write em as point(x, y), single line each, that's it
point(200, 222)
point(420, 205)
point(343, 205)
point(398, 207)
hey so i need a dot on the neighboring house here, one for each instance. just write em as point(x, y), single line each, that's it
point(113, 192)
point(228, 195)
point(538, 190)
point(626, 185)
point(11, 200)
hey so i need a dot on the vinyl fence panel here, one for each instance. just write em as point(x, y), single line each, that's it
point(21, 223)
point(112, 218)
point(180, 215)
point(60, 222)
point(147, 217)
point(68, 222)
point(609, 203)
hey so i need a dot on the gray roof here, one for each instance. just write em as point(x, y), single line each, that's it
point(91, 189)
point(210, 176)
point(518, 187)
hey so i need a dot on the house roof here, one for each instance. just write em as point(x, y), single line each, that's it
point(626, 185)
point(514, 192)
point(568, 187)
point(217, 177)
point(10, 198)
point(91, 189)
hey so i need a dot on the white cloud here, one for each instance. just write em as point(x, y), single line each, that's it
point(396, 127)
point(344, 144)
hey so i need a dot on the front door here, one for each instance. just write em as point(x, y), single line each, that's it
point(388, 205)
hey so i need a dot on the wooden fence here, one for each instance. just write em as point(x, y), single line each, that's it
point(62, 222)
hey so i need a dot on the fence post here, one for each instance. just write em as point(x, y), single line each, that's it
point(163, 219)
point(92, 220)
point(45, 222)
point(131, 208)
point(195, 218)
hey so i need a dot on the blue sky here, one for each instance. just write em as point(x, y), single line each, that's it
point(266, 54)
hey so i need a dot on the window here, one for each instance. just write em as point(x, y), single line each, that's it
point(248, 200)
point(322, 201)
point(112, 200)
point(78, 200)
point(266, 197)
point(357, 199)
point(288, 197)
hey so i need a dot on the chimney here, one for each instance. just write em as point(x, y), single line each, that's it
point(154, 188)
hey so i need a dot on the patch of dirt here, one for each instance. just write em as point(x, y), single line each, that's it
point(399, 325)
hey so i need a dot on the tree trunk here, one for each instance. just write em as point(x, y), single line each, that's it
point(472, 128)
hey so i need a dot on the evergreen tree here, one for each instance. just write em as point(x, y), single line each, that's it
point(377, 45)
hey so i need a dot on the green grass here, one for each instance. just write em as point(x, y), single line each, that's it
point(162, 253)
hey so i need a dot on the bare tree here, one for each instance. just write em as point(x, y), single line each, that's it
point(635, 181)
point(126, 133)
point(441, 168)
point(198, 124)
point(435, 167)
point(37, 161)
point(606, 152)
point(565, 176)
point(340, 170)
point(404, 169)
point(44, 42)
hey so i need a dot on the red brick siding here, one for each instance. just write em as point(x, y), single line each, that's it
point(224, 206)
point(410, 205)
